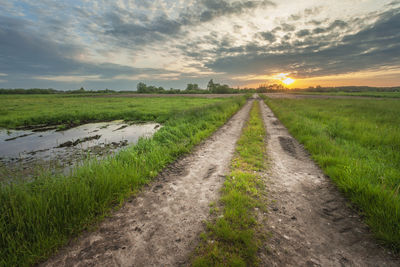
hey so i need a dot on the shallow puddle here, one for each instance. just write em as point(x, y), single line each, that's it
point(21, 148)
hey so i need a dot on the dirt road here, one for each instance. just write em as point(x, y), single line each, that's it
point(160, 227)
point(310, 221)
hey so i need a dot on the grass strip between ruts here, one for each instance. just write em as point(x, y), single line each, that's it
point(233, 237)
point(38, 217)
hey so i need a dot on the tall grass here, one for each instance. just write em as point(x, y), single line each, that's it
point(38, 217)
point(232, 238)
point(357, 143)
point(366, 94)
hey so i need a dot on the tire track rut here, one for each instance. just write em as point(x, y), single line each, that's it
point(311, 223)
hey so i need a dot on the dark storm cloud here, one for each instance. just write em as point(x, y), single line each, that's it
point(374, 46)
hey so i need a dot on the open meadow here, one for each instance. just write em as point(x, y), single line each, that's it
point(30, 110)
point(38, 216)
point(362, 94)
point(219, 176)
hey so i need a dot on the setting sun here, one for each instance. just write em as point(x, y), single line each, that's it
point(288, 81)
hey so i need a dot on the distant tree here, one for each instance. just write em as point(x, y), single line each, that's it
point(192, 86)
point(210, 85)
point(189, 87)
point(141, 87)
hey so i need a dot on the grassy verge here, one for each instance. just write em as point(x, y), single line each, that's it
point(38, 217)
point(366, 94)
point(26, 110)
point(232, 238)
point(357, 143)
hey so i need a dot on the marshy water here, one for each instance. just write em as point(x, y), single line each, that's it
point(22, 151)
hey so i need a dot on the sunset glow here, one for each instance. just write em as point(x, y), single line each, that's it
point(117, 44)
point(288, 81)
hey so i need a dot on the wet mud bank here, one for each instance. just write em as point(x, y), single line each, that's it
point(25, 153)
point(310, 222)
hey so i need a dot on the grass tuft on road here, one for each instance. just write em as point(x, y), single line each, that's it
point(357, 143)
point(38, 217)
point(233, 238)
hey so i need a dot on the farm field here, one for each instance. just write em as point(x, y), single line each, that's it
point(364, 94)
point(357, 144)
point(38, 216)
point(28, 110)
point(240, 197)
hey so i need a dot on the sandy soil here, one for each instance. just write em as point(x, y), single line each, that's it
point(160, 227)
point(311, 223)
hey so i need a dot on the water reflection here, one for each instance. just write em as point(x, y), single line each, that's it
point(20, 149)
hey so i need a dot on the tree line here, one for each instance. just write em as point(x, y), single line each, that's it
point(191, 88)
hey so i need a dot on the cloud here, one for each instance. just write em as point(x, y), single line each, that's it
point(218, 8)
point(303, 33)
point(340, 24)
point(287, 27)
point(268, 36)
point(70, 78)
point(162, 27)
point(106, 42)
point(374, 46)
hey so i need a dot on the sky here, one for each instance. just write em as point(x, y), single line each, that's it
point(117, 43)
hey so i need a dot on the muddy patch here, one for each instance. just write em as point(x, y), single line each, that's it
point(23, 151)
point(287, 145)
point(210, 171)
point(79, 140)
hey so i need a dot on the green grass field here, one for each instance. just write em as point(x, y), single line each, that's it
point(366, 94)
point(357, 143)
point(24, 110)
point(38, 217)
point(232, 239)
